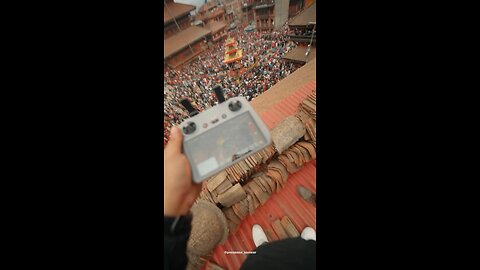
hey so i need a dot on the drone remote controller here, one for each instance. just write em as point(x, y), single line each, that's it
point(222, 135)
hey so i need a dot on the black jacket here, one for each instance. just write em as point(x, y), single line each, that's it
point(176, 235)
point(291, 253)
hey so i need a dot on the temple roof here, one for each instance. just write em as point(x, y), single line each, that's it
point(175, 10)
point(182, 39)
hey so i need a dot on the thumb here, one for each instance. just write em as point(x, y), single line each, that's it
point(174, 145)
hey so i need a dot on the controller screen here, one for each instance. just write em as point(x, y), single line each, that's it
point(231, 140)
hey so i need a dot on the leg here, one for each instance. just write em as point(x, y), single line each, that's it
point(291, 253)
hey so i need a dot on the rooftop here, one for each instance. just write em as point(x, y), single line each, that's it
point(218, 11)
point(181, 40)
point(215, 26)
point(175, 10)
point(307, 15)
point(298, 54)
point(213, 14)
point(285, 202)
point(207, 7)
point(285, 87)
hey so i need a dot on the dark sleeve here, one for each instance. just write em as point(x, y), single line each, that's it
point(176, 234)
point(286, 254)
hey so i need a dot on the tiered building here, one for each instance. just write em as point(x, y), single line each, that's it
point(211, 12)
point(248, 14)
point(182, 41)
point(303, 30)
point(215, 19)
point(232, 53)
point(233, 7)
point(264, 15)
point(218, 30)
point(173, 14)
point(303, 24)
point(186, 38)
point(270, 14)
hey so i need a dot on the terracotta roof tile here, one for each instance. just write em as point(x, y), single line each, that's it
point(285, 87)
point(285, 202)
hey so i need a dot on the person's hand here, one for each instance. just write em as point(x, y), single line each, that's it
point(179, 192)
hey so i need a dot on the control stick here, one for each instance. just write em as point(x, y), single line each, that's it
point(219, 93)
point(187, 105)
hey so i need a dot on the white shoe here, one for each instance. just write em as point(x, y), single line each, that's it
point(309, 234)
point(259, 236)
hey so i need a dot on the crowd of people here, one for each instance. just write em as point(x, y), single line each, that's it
point(260, 68)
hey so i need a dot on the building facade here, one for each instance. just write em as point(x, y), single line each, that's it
point(210, 12)
point(303, 27)
point(234, 7)
point(264, 14)
point(281, 13)
point(294, 7)
point(185, 46)
point(183, 41)
point(218, 30)
point(175, 16)
point(248, 14)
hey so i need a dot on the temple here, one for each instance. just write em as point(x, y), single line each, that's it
point(232, 53)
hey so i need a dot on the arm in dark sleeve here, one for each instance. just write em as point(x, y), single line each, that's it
point(176, 235)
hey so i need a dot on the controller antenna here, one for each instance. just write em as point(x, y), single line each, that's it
point(219, 93)
point(187, 105)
